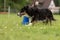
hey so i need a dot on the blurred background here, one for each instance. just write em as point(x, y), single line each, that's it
point(15, 5)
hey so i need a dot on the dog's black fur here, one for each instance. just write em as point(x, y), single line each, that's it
point(37, 14)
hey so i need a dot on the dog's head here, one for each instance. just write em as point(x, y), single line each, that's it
point(22, 11)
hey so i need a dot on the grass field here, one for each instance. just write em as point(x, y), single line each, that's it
point(12, 29)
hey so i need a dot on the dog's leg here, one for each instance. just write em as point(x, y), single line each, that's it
point(46, 20)
point(33, 21)
point(50, 20)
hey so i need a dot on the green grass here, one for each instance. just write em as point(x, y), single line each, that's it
point(12, 29)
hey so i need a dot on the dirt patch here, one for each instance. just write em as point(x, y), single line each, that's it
point(3, 12)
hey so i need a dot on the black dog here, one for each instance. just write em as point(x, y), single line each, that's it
point(37, 14)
